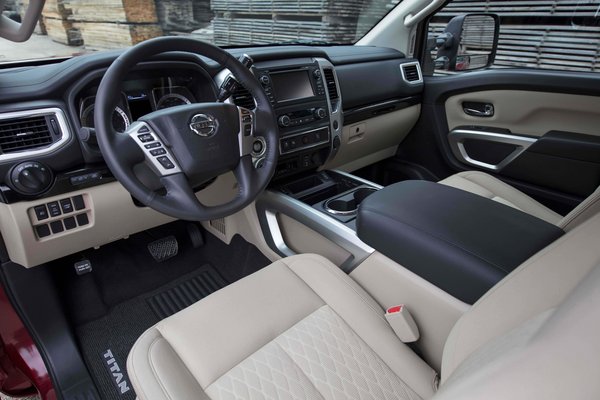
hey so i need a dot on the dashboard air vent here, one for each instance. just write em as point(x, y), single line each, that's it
point(411, 72)
point(242, 98)
point(17, 134)
point(331, 84)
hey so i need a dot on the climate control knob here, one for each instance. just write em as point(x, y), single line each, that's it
point(30, 178)
point(320, 113)
point(284, 121)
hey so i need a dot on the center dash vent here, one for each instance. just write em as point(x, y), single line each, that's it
point(331, 84)
point(25, 133)
point(411, 72)
point(242, 98)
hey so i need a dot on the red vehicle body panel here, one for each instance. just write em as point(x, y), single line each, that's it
point(22, 369)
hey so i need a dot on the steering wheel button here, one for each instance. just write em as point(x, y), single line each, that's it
point(247, 130)
point(143, 129)
point(165, 162)
point(152, 145)
point(145, 138)
point(158, 152)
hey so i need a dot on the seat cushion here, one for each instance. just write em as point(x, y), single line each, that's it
point(487, 186)
point(299, 328)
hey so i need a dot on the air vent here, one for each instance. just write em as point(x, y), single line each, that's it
point(18, 134)
point(331, 84)
point(411, 72)
point(242, 98)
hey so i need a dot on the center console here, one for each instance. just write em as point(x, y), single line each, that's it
point(305, 96)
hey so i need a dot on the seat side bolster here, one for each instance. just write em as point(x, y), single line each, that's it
point(488, 186)
point(365, 317)
point(539, 284)
point(154, 362)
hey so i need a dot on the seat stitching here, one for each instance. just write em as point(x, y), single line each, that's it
point(312, 384)
point(378, 313)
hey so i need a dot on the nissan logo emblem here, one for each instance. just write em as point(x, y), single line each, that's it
point(203, 125)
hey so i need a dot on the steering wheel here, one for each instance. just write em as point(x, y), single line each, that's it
point(189, 144)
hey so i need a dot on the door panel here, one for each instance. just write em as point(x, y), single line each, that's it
point(537, 130)
point(528, 112)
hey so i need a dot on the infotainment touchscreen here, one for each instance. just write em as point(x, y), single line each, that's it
point(291, 85)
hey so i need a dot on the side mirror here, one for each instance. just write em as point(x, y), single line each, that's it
point(21, 31)
point(469, 42)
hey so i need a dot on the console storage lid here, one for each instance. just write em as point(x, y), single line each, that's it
point(461, 242)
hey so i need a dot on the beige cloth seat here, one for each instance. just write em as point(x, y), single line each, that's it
point(302, 329)
point(486, 185)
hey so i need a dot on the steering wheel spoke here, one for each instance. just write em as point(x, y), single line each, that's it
point(156, 154)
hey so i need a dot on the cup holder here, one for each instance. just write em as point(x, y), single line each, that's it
point(348, 204)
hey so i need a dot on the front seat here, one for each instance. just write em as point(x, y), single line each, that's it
point(302, 329)
point(486, 185)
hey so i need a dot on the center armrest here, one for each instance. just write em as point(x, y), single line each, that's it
point(459, 241)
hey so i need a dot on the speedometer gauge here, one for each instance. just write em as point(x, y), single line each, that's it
point(172, 100)
point(120, 120)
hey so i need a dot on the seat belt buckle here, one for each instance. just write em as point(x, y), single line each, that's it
point(402, 323)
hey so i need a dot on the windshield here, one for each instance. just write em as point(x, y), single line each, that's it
point(70, 28)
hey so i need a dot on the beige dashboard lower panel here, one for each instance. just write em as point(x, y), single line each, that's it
point(112, 215)
point(434, 310)
point(374, 139)
point(529, 113)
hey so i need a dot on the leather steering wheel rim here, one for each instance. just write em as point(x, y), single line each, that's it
point(122, 152)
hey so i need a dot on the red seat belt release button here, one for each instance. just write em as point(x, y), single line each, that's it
point(402, 323)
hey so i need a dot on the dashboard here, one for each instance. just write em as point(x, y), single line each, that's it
point(336, 106)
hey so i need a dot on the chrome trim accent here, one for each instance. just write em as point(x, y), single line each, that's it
point(270, 203)
point(62, 124)
point(335, 110)
point(458, 136)
point(418, 71)
point(337, 212)
point(152, 160)
point(309, 146)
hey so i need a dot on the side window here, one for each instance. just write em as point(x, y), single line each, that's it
point(554, 35)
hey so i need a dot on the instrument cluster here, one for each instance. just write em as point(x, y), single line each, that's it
point(143, 96)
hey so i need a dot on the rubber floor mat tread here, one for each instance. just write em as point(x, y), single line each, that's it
point(170, 301)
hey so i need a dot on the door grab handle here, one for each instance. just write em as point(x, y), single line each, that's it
point(488, 111)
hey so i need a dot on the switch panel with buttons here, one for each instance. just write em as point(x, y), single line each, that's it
point(60, 216)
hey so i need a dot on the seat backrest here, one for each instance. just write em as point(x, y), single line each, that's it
point(584, 211)
point(535, 334)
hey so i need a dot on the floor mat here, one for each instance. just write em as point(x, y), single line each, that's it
point(129, 290)
point(106, 342)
